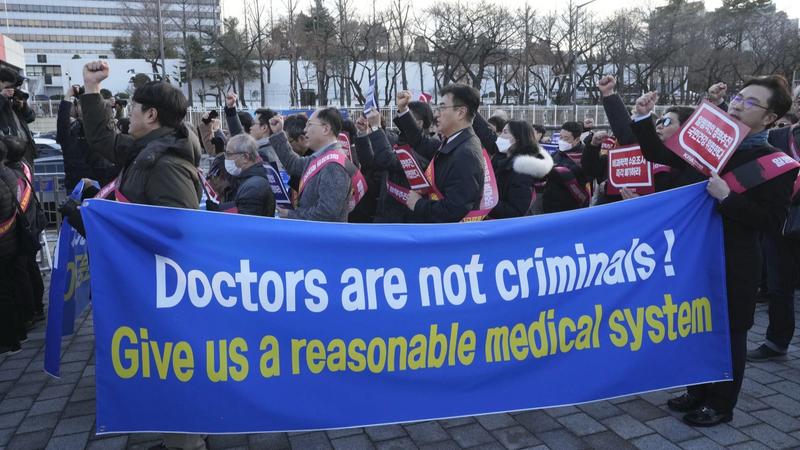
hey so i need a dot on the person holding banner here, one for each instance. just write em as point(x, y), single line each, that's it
point(12, 326)
point(158, 160)
point(254, 195)
point(325, 185)
point(456, 172)
point(763, 181)
point(566, 184)
point(518, 165)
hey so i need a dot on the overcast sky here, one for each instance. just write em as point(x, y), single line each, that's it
point(600, 7)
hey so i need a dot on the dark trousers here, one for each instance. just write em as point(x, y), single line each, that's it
point(782, 271)
point(722, 397)
point(12, 326)
point(30, 287)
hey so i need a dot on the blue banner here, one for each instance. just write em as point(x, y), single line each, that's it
point(69, 288)
point(254, 324)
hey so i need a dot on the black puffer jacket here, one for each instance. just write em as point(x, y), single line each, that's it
point(14, 122)
point(254, 195)
point(8, 209)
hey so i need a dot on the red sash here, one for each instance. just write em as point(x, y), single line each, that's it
point(414, 174)
point(577, 192)
point(24, 187)
point(5, 226)
point(113, 186)
point(489, 198)
point(359, 183)
point(761, 170)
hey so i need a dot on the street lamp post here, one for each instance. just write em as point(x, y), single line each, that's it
point(573, 25)
point(161, 41)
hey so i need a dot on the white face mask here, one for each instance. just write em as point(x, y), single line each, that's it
point(503, 144)
point(231, 168)
point(564, 145)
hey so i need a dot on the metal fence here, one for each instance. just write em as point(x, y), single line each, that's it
point(549, 116)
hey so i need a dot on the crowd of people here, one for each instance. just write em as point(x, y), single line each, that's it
point(364, 170)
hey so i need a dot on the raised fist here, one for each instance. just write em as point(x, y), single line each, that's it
point(93, 73)
point(230, 99)
point(717, 92)
point(646, 103)
point(403, 99)
point(597, 138)
point(276, 123)
point(607, 84)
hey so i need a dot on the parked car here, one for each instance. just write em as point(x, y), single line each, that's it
point(47, 147)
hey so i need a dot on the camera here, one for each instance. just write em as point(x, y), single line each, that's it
point(21, 94)
point(211, 116)
point(121, 102)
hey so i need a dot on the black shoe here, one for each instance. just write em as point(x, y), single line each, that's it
point(764, 353)
point(707, 417)
point(10, 350)
point(684, 403)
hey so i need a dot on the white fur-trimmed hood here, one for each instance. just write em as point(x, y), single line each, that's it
point(533, 166)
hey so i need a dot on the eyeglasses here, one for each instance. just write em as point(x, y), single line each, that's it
point(664, 121)
point(442, 106)
point(747, 102)
point(232, 155)
point(315, 123)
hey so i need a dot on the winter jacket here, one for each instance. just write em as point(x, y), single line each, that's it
point(159, 168)
point(15, 122)
point(458, 175)
point(326, 195)
point(79, 161)
point(556, 195)
point(8, 209)
point(254, 195)
point(516, 176)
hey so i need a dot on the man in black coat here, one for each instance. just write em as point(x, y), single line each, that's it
point(79, 161)
point(458, 170)
point(760, 209)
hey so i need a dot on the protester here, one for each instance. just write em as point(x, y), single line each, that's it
point(12, 327)
point(259, 130)
point(540, 134)
point(518, 165)
point(79, 161)
point(456, 171)
point(596, 165)
point(716, 95)
point(566, 184)
point(15, 114)
point(209, 130)
point(254, 195)
point(496, 123)
point(325, 190)
point(760, 209)
point(28, 277)
point(414, 121)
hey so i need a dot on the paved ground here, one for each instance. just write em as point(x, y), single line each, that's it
point(39, 412)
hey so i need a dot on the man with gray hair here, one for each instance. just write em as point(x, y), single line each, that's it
point(254, 196)
point(326, 176)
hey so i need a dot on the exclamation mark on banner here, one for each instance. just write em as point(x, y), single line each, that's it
point(668, 269)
